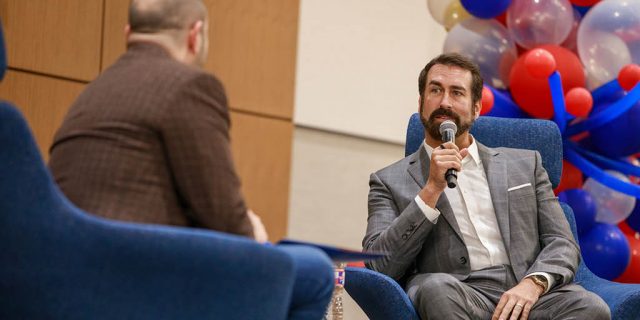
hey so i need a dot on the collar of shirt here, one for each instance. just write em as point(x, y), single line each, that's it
point(473, 152)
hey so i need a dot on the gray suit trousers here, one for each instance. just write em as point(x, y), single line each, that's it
point(441, 296)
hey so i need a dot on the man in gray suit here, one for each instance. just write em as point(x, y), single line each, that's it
point(497, 246)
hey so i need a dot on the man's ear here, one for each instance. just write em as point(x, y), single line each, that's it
point(477, 108)
point(192, 37)
point(127, 31)
point(420, 104)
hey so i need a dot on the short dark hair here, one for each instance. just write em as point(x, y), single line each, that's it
point(152, 16)
point(457, 60)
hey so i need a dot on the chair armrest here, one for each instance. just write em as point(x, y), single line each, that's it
point(623, 299)
point(88, 267)
point(379, 296)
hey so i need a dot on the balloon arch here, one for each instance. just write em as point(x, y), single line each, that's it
point(574, 62)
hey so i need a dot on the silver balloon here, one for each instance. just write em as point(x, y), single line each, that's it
point(613, 206)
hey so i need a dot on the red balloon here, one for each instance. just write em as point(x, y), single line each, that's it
point(502, 18)
point(624, 227)
point(584, 3)
point(487, 101)
point(579, 102)
point(540, 63)
point(571, 178)
point(533, 95)
point(632, 273)
point(628, 76)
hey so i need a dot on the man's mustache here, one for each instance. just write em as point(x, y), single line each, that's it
point(444, 112)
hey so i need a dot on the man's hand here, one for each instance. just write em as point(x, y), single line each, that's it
point(517, 302)
point(446, 156)
point(259, 232)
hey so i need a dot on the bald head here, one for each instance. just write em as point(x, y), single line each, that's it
point(158, 16)
point(180, 26)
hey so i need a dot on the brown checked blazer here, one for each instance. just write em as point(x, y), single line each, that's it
point(148, 141)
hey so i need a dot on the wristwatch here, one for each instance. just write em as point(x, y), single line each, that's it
point(540, 280)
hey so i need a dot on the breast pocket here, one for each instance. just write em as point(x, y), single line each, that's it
point(522, 197)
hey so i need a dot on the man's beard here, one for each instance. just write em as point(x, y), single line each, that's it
point(433, 129)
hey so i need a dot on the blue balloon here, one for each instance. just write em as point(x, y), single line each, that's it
point(503, 105)
point(606, 251)
point(618, 138)
point(584, 208)
point(581, 9)
point(486, 9)
point(634, 218)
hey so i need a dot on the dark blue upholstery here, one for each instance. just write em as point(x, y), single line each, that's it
point(380, 299)
point(58, 262)
point(514, 133)
point(3, 54)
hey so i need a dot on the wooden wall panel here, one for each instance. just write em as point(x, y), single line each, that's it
point(115, 19)
point(253, 51)
point(43, 100)
point(61, 37)
point(262, 154)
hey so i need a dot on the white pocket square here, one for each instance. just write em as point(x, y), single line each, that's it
point(519, 187)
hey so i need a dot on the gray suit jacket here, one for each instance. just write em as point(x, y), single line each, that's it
point(532, 224)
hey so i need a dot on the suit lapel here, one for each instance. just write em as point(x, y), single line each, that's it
point(419, 171)
point(495, 168)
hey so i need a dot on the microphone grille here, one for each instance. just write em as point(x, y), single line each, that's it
point(448, 125)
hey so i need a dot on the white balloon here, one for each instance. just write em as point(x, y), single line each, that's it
point(487, 43)
point(613, 206)
point(534, 22)
point(608, 39)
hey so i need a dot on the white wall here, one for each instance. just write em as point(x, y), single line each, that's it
point(357, 70)
point(329, 186)
point(358, 64)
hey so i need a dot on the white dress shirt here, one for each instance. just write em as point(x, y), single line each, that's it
point(471, 202)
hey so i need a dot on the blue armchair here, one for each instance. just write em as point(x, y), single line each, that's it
point(58, 262)
point(383, 298)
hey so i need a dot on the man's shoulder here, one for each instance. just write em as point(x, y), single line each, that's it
point(508, 152)
point(398, 167)
point(150, 65)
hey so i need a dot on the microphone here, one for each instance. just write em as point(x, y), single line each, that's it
point(448, 131)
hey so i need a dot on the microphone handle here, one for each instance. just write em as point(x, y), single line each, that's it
point(452, 178)
point(451, 175)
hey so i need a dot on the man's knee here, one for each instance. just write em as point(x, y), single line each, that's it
point(436, 292)
point(314, 270)
point(580, 304)
point(595, 307)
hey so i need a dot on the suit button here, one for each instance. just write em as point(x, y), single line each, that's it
point(412, 227)
point(404, 237)
point(463, 260)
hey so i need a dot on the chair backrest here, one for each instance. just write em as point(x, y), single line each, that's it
point(58, 262)
point(533, 134)
point(3, 54)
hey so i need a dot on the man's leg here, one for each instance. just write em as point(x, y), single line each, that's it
point(314, 282)
point(441, 296)
point(570, 302)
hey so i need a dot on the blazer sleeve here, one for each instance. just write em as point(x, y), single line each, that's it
point(400, 233)
point(195, 131)
point(559, 254)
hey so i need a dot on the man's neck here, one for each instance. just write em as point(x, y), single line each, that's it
point(161, 40)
